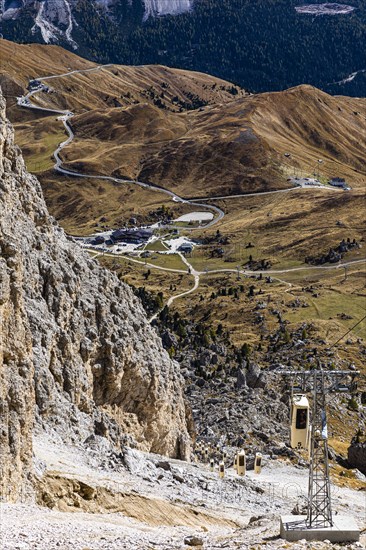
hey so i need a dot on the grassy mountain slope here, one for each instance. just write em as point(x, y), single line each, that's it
point(225, 149)
point(190, 132)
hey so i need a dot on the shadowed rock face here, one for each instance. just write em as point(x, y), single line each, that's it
point(357, 456)
point(77, 355)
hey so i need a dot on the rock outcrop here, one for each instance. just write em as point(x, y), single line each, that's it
point(77, 355)
point(357, 455)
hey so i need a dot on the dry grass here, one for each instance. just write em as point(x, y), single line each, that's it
point(324, 314)
point(229, 146)
point(345, 478)
point(286, 227)
point(158, 281)
point(107, 88)
point(232, 148)
point(25, 61)
point(80, 205)
point(38, 139)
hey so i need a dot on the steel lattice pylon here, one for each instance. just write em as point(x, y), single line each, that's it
point(319, 512)
point(319, 383)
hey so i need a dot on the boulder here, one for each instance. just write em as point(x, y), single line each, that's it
point(357, 456)
point(255, 378)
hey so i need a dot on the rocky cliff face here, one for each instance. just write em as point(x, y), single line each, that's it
point(77, 355)
point(55, 21)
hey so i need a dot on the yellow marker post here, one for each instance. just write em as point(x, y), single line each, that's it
point(258, 463)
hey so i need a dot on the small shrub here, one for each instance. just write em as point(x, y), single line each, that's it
point(352, 404)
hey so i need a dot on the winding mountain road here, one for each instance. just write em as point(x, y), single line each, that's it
point(65, 116)
point(191, 271)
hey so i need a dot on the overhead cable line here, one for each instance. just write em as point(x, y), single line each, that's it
point(348, 331)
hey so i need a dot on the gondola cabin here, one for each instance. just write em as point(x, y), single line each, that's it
point(300, 422)
point(241, 463)
point(258, 463)
point(221, 470)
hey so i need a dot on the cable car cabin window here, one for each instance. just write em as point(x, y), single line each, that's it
point(301, 419)
point(258, 462)
point(241, 460)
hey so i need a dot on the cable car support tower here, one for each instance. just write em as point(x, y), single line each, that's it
point(319, 384)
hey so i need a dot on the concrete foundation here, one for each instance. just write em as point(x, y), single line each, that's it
point(344, 529)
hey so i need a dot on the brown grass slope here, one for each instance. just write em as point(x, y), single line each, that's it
point(21, 62)
point(229, 148)
point(306, 122)
point(24, 61)
point(109, 87)
point(133, 121)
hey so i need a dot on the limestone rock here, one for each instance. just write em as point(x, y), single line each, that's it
point(241, 380)
point(77, 355)
point(193, 541)
point(254, 377)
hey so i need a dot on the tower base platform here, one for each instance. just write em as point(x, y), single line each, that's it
point(344, 529)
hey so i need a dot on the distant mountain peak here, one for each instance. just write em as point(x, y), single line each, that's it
point(155, 8)
point(52, 18)
point(55, 19)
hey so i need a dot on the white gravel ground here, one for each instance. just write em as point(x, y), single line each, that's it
point(255, 503)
